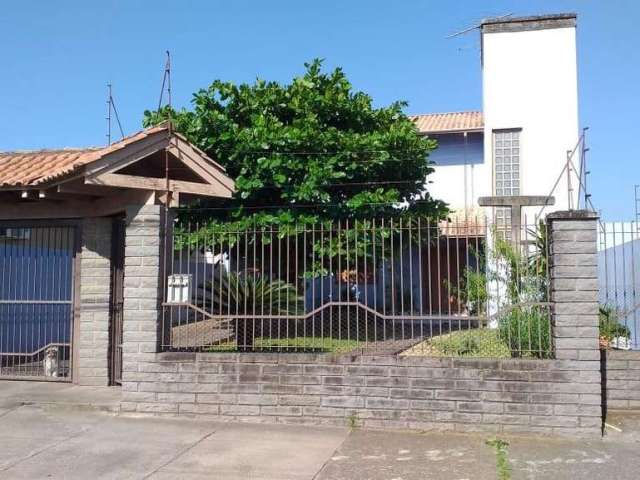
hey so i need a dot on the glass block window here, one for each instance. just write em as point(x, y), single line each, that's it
point(506, 155)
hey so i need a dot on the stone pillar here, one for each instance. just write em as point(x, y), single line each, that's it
point(142, 291)
point(574, 309)
point(574, 284)
point(95, 291)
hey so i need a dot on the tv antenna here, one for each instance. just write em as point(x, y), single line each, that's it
point(477, 25)
point(166, 82)
point(111, 106)
point(166, 85)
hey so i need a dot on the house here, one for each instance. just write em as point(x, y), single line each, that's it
point(66, 218)
point(81, 230)
point(518, 144)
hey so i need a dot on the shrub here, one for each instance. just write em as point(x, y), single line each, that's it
point(527, 332)
point(610, 326)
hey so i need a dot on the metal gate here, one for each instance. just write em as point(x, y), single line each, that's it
point(36, 300)
point(117, 301)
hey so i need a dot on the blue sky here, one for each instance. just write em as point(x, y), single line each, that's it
point(57, 57)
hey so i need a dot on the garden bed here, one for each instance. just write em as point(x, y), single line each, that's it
point(477, 342)
point(299, 344)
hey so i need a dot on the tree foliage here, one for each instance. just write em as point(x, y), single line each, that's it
point(313, 143)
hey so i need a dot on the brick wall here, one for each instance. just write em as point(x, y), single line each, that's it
point(534, 396)
point(95, 286)
point(623, 380)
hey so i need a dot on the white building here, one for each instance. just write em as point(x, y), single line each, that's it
point(518, 144)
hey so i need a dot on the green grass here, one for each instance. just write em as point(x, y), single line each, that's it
point(299, 344)
point(477, 342)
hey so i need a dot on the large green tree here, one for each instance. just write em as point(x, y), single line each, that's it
point(310, 149)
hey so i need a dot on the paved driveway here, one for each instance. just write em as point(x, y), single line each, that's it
point(69, 442)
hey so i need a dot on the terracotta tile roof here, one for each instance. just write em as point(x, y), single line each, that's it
point(448, 122)
point(29, 169)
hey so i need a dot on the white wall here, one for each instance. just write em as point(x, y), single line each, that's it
point(530, 82)
point(456, 159)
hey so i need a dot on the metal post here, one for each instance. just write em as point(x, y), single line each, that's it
point(569, 187)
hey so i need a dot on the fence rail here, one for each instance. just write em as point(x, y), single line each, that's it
point(410, 286)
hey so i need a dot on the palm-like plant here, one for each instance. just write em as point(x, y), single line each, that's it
point(250, 294)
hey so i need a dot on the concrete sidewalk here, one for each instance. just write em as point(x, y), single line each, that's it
point(59, 443)
point(60, 431)
point(45, 442)
point(15, 393)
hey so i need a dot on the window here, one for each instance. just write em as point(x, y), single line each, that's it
point(506, 156)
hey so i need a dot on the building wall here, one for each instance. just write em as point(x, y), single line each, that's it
point(95, 290)
point(530, 82)
point(456, 159)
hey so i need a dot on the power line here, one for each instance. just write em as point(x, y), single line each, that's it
point(290, 206)
point(324, 153)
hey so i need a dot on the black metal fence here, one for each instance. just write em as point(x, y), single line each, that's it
point(36, 301)
point(406, 286)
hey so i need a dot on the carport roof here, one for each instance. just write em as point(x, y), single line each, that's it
point(44, 168)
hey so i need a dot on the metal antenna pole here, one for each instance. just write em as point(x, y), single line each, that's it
point(585, 149)
point(569, 188)
point(109, 115)
point(167, 78)
point(637, 195)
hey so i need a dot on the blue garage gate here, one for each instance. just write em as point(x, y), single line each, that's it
point(36, 301)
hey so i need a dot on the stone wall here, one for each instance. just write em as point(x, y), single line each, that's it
point(623, 380)
point(95, 290)
point(533, 396)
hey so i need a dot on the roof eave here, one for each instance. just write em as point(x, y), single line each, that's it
point(455, 130)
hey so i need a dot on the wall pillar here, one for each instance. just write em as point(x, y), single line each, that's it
point(574, 284)
point(142, 293)
point(574, 304)
point(95, 289)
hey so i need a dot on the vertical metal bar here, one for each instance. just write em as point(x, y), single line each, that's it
point(420, 282)
point(270, 305)
point(634, 301)
point(253, 289)
point(356, 278)
point(295, 282)
point(330, 276)
point(625, 305)
point(401, 267)
point(264, 279)
point(439, 275)
point(383, 261)
point(305, 228)
point(348, 278)
point(245, 280)
point(411, 284)
point(374, 275)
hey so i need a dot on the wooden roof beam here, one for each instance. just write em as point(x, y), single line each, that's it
point(158, 184)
